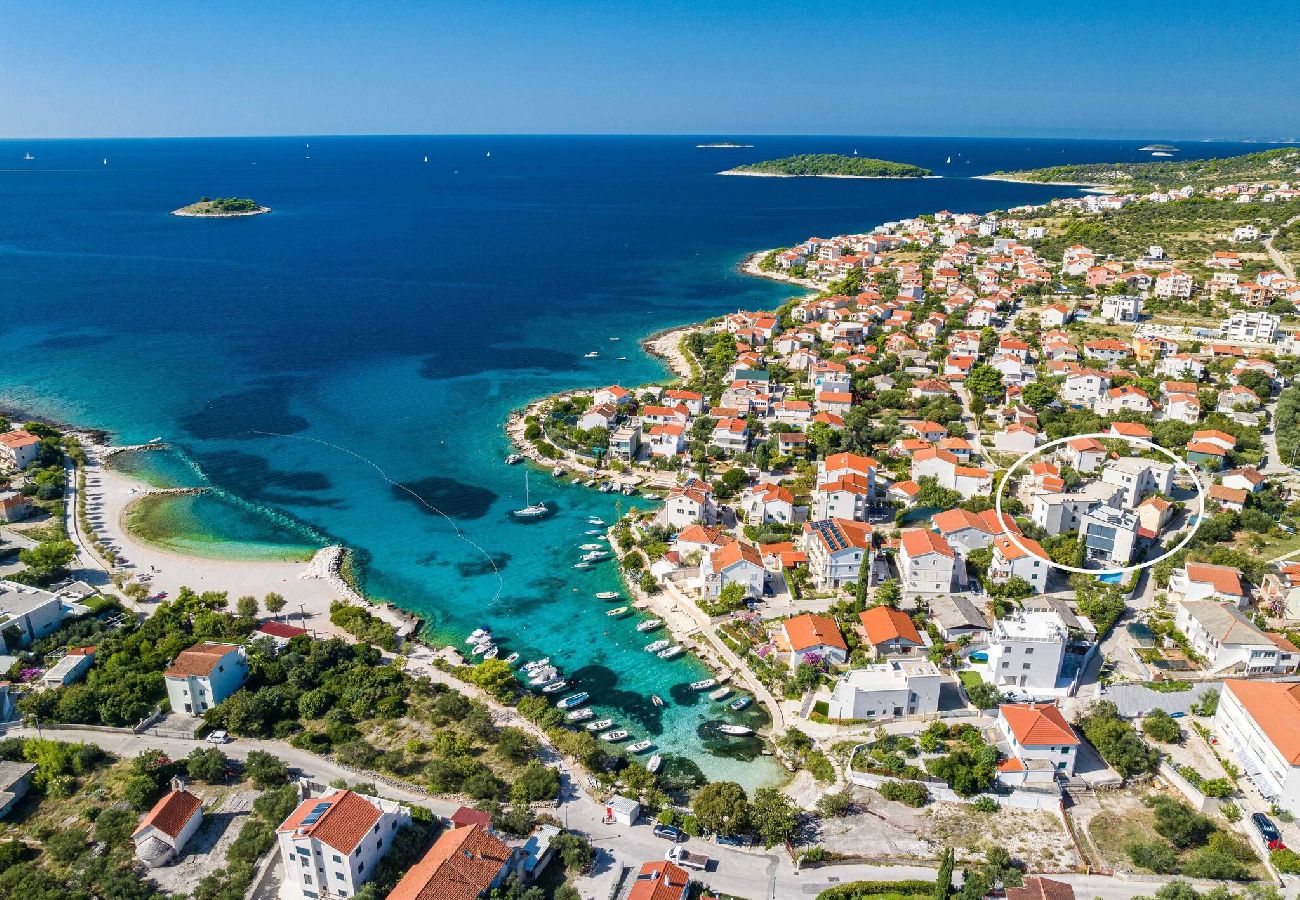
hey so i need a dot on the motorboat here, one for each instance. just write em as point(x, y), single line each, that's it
point(478, 634)
point(552, 687)
point(704, 684)
point(592, 547)
point(481, 649)
point(655, 764)
point(650, 625)
point(582, 565)
point(592, 355)
point(640, 746)
point(558, 472)
point(491, 652)
point(537, 664)
point(513, 459)
point(608, 595)
point(656, 646)
point(740, 703)
point(593, 520)
point(530, 510)
point(543, 676)
point(590, 482)
point(595, 556)
point(656, 700)
point(617, 611)
point(512, 659)
point(599, 725)
point(593, 531)
point(720, 693)
point(617, 734)
point(579, 715)
point(737, 730)
point(672, 652)
point(573, 700)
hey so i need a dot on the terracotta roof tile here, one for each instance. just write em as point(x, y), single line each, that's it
point(344, 822)
point(461, 865)
point(884, 624)
point(199, 660)
point(807, 631)
point(170, 814)
point(1038, 724)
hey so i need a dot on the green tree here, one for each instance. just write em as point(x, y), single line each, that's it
point(265, 770)
point(206, 764)
point(273, 603)
point(536, 782)
point(1157, 856)
point(247, 607)
point(773, 816)
point(48, 560)
point(943, 881)
point(888, 593)
point(574, 851)
point(496, 677)
point(984, 382)
point(1161, 726)
point(722, 808)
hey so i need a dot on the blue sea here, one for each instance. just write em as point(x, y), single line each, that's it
point(365, 342)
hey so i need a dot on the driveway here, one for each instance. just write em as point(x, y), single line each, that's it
point(1136, 699)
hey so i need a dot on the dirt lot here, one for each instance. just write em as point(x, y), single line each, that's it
point(879, 827)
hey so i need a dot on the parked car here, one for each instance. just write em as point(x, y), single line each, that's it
point(731, 840)
point(668, 833)
point(1267, 830)
point(218, 737)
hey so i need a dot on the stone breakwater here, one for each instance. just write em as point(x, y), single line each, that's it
point(328, 564)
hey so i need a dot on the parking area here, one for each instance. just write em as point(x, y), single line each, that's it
point(1137, 699)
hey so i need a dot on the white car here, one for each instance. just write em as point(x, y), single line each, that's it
point(218, 737)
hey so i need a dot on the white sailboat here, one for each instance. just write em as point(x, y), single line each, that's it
point(426, 159)
point(530, 510)
point(28, 156)
point(948, 160)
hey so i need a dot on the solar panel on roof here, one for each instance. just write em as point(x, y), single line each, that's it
point(316, 812)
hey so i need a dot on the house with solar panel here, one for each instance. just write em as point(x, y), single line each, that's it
point(330, 845)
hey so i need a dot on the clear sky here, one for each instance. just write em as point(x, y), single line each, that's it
point(1143, 68)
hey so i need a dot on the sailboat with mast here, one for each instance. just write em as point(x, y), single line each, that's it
point(530, 510)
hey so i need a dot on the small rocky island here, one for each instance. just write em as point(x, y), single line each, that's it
point(222, 207)
point(830, 165)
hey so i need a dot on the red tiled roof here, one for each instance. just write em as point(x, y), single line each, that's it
point(199, 660)
point(281, 630)
point(883, 624)
point(657, 881)
point(1224, 579)
point(342, 826)
point(1036, 887)
point(918, 542)
point(1038, 724)
point(170, 814)
point(807, 631)
point(461, 865)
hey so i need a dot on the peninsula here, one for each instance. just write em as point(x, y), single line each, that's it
point(723, 145)
point(222, 207)
point(1148, 176)
point(829, 165)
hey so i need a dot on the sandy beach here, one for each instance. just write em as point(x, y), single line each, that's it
point(308, 587)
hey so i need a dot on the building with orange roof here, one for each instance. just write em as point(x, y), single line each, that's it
point(839, 465)
point(1036, 887)
point(733, 563)
point(890, 631)
point(329, 845)
point(835, 550)
point(1082, 454)
point(1023, 558)
point(699, 538)
point(814, 635)
point(1130, 429)
point(766, 502)
point(1259, 722)
point(204, 675)
point(1228, 498)
point(660, 880)
point(1202, 581)
point(166, 828)
point(848, 496)
point(1037, 733)
point(690, 503)
point(926, 562)
point(19, 448)
point(1228, 640)
point(926, 431)
point(463, 864)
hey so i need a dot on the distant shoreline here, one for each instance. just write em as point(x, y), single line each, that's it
point(1087, 186)
point(737, 172)
point(194, 212)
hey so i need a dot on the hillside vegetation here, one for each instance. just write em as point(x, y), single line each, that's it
point(1141, 176)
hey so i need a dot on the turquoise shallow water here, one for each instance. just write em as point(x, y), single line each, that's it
point(382, 322)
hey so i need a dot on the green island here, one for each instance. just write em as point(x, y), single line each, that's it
point(1143, 176)
point(835, 165)
point(222, 207)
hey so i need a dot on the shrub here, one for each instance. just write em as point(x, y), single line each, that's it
point(909, 793)
point(1157, 856)
point(1161, 726)
point(1286, 861)
point(855, 890)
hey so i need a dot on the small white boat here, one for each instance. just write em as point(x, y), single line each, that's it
point(537, 664)
point(656, 762)
point(480, 649)
point(650, 625)
point(530, 510)
point(478, 634)
point(592, 355)
point(513, 458)
point(592, 547)
point(28, 156)
point(558, 472)
point(599, 725)
point(512, 659)
point(617, 734)
point(704, 684)
point(616, 611)
point(426, 159)
point(582, 565)
point(593, 532)
point(656, 700)
point(640, 747)
point(615, 339)
point(720, 693)
point(543, 676)
point(671, 652)
point(740, 703)
point(737, 730)
point(554, 686)
point(492, 652)
point(655, 646)
point(596, 556)
point(592, 520)
point(573, 700)
point(579, 715)
point(608, 595)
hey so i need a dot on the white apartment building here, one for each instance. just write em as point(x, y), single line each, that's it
point(204, 675)
point(1137, 477)
point(690, 503)
point(30, 612)
point(1228, 640)
point(1059, 513)
point(892, 689)
point(1026, 650)
point(1259, 721)
point(1121, 308)
point(1259, 327)
point(1010, 561)
point(329, 845)
point(926, 563)
point(835, 549)
point(1038, 733)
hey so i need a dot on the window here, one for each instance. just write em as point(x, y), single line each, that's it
point(1029, 651)
point(337, 858)
point(379, 843)
point(306, 879)
point(1006, 664)
point(339, 876)
point(361, 867)
point(1024, 666)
